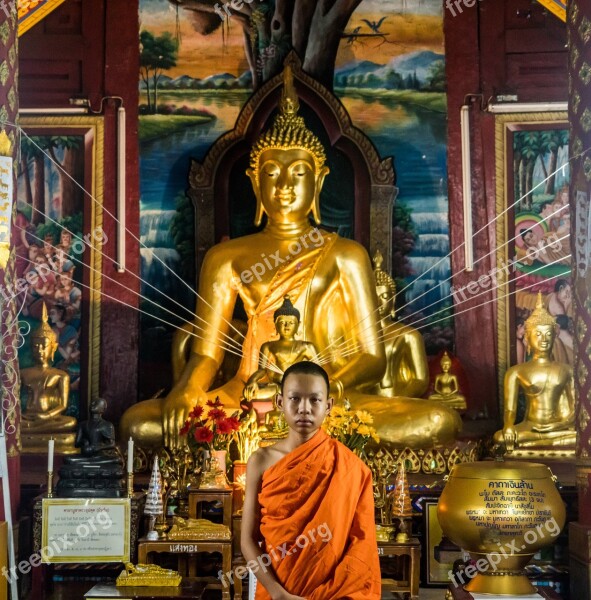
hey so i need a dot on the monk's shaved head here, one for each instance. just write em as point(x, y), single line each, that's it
point(306, 367)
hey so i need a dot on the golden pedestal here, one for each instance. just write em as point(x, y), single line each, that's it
point(36, 443)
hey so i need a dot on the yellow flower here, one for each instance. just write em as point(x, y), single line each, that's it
point(363, 430)
point(337, 411)
point(354, 425)
point(364, 417)
point(375, 437)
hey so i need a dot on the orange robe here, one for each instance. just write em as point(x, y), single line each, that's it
point(317, 521)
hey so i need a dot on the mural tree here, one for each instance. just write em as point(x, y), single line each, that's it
point(313, 28)
point(158, 53)
point(71, 171)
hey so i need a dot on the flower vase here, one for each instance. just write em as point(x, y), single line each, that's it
point(212, 477)
point(219, 456)
point(239, 473)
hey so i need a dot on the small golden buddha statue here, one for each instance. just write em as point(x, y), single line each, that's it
point(548, 389)
point(141, 575)
point(446, 386)
point(275, 428)
point(329, 280)
point(47, 390)
point(277, 356)
point(198, 529)
point(407, 370)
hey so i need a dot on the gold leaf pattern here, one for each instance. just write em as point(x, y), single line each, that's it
point(585, 29)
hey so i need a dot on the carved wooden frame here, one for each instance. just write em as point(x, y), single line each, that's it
point(505, 126)
point(204, 177)
point(92, 129)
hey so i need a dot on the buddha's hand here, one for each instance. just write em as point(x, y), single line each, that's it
point(510, 436)
point(251, 391)
point(175, 412)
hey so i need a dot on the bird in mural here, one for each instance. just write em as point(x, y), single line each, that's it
point(374, 25)
point(353, 35)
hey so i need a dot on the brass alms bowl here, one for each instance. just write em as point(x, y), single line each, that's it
point(502, 514)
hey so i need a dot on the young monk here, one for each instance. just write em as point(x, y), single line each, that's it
point(308, 517)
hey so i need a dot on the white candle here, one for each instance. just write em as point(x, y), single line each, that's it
point(130, 455)
point(50, 446)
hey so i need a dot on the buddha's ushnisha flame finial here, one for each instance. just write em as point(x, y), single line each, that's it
point(288, 130)
point(540, 316)
point(44, 330)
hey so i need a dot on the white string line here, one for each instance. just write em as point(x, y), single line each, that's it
point(106, 210)
point(71, 257)
point(407, 317)
point(477, 261)
point(383, 334)
point(193, 315)
point(140, 310)
point(418, 312)
point(582, 153)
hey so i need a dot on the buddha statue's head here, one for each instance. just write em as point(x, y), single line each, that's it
point(43, 340)
point(287, 167)
point(287, 319)
point(540, 329)
point(445, 362)
point(385, 288)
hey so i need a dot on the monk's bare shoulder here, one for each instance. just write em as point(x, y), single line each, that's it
point(264, 458)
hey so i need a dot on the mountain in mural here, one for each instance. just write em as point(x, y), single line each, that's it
point(418, 63)
point(413, 70)
point(213, 82)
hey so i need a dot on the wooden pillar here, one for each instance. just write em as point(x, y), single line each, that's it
point(9, 374)
point(579, 65)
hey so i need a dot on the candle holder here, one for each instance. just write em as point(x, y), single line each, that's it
point(130, 485)
point(50, 484)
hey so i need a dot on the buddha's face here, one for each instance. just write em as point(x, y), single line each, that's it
point(43, 348)
point(385, 300)
point(541, 338)
point(287, 184)
point(445, 364)
point(286, 326)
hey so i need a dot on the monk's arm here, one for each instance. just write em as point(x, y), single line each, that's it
point(250, 528)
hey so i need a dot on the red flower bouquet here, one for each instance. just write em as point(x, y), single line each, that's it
point(209, 427)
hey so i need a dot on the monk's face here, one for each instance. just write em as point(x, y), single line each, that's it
point(304, 401)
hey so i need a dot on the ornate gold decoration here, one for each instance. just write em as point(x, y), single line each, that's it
point(198, 529)
point(44, 329)
point(147, 575)
point(5, 144)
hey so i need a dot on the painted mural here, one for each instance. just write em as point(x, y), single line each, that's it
point(200, 63)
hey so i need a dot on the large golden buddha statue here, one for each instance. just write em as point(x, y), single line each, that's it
point(548, 388)
point(328, 278)
point(407, 371)
point(47, 390)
